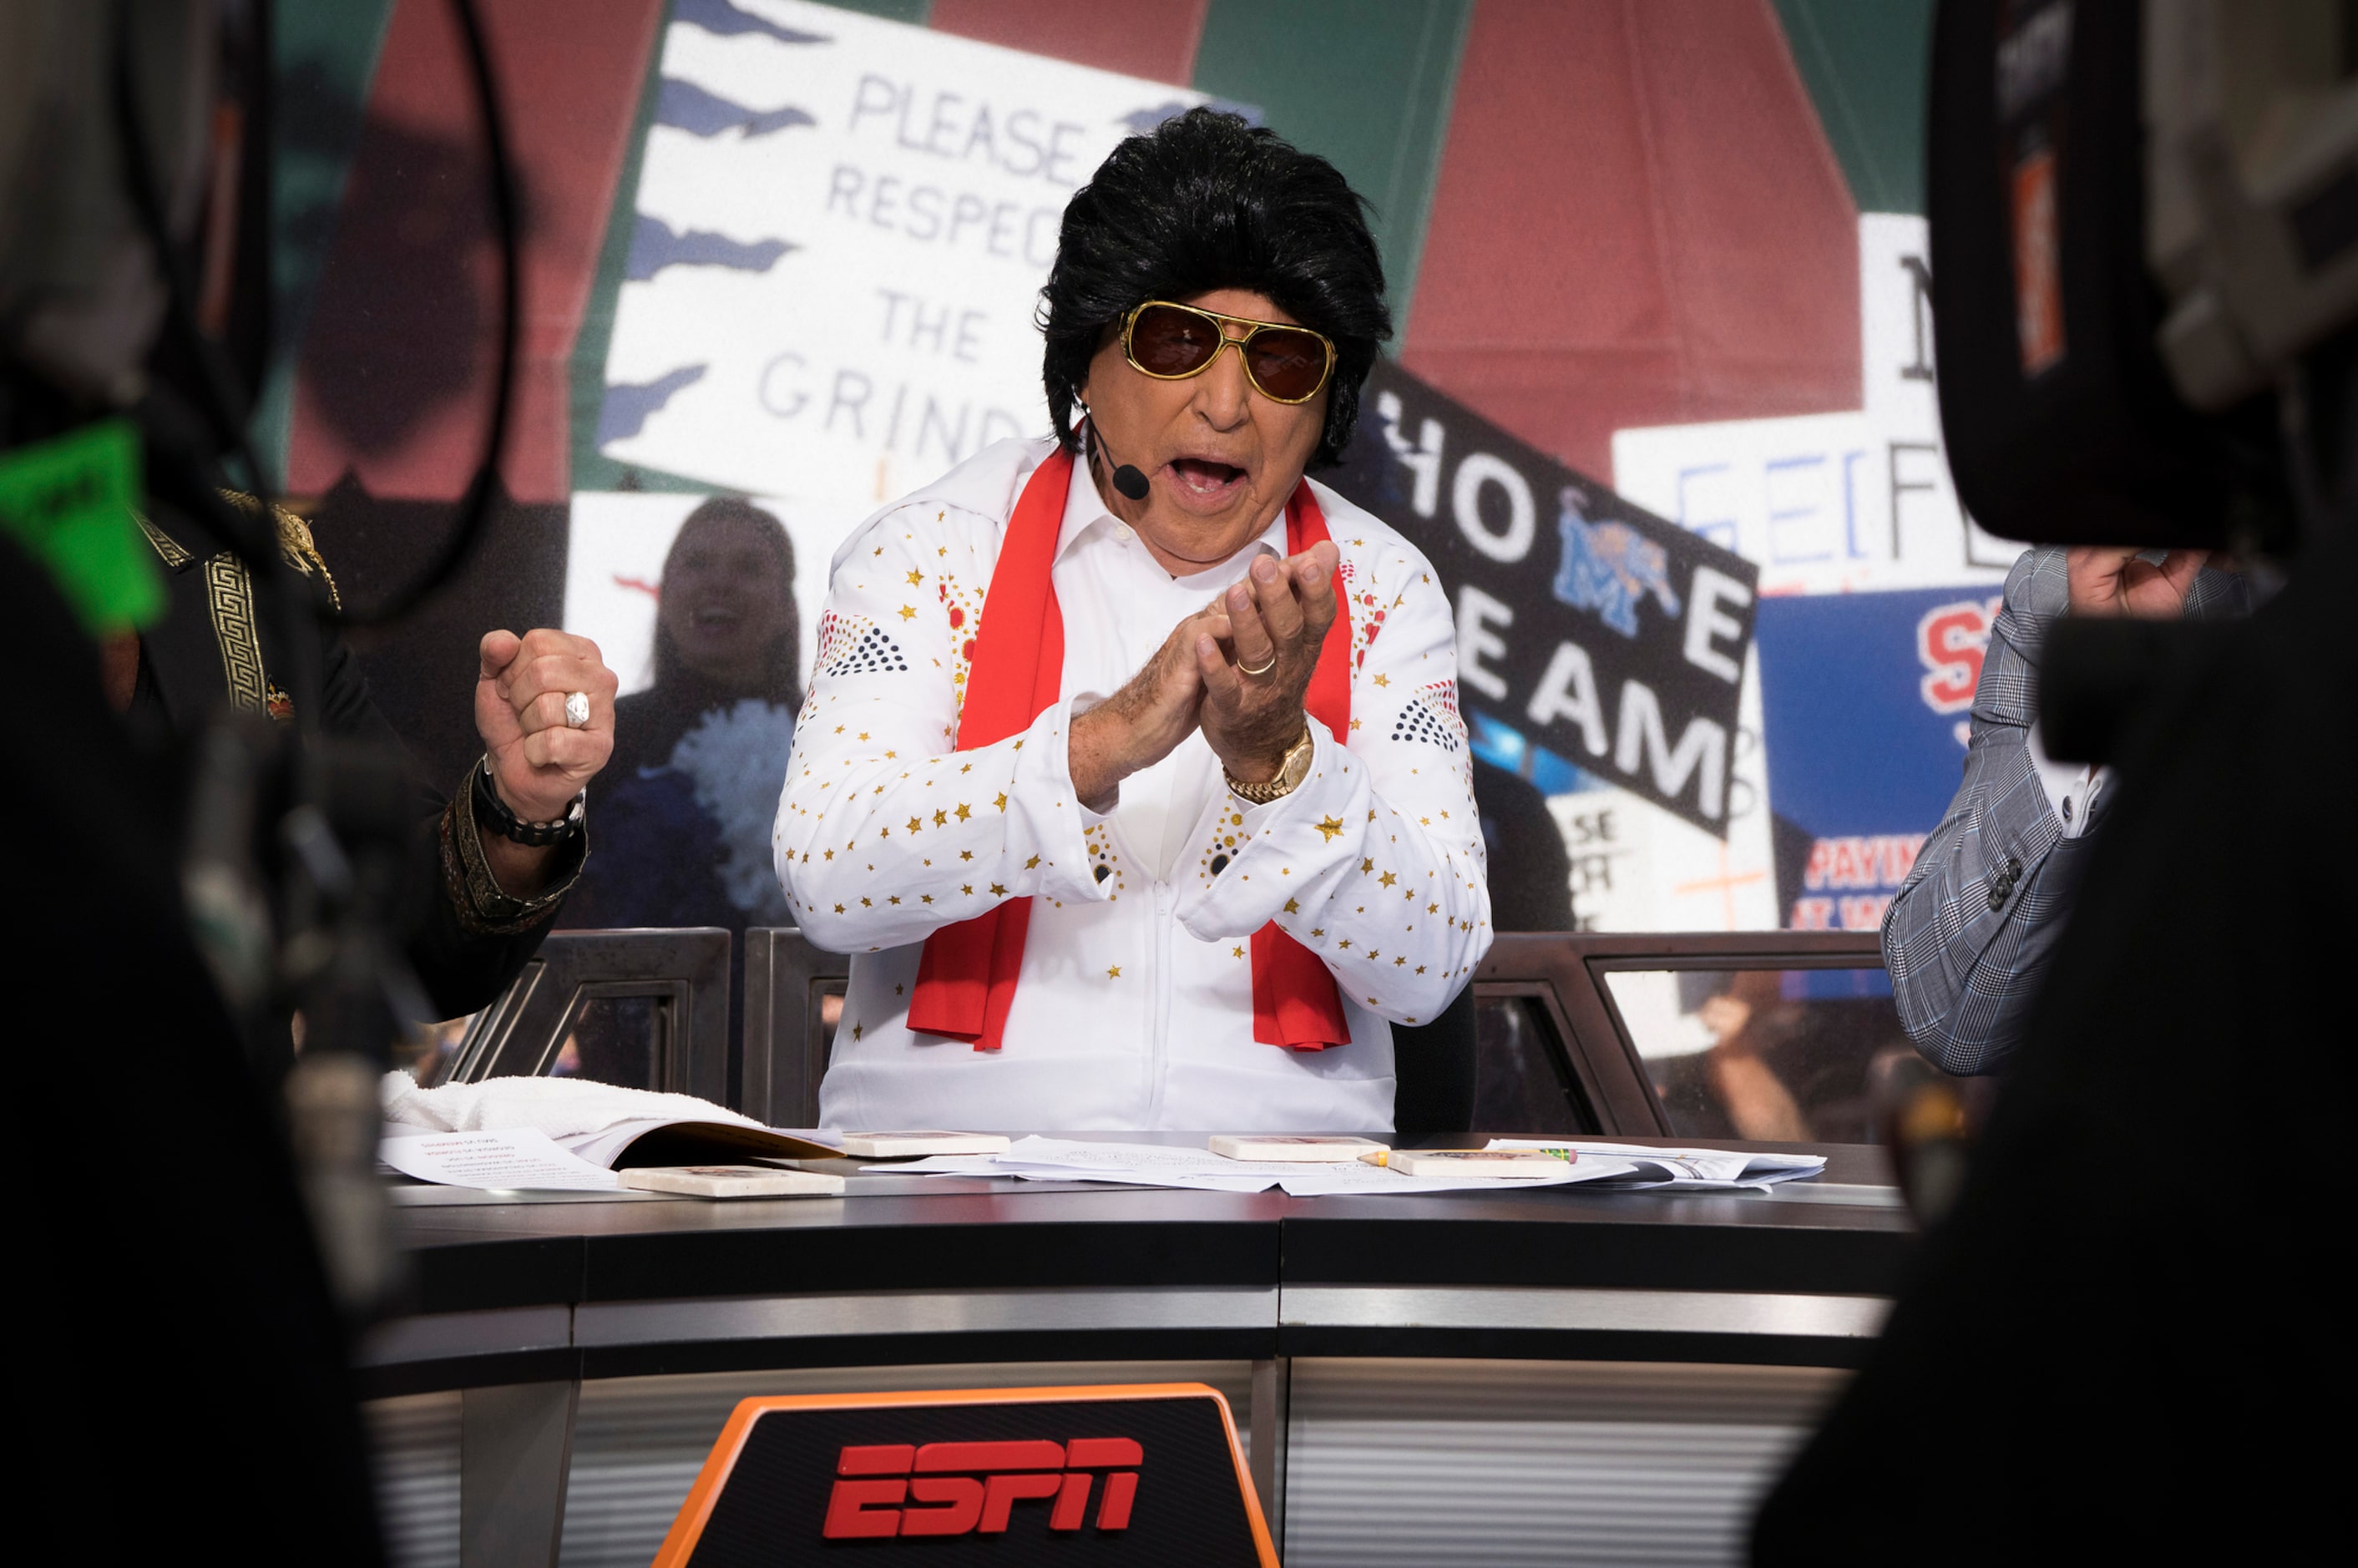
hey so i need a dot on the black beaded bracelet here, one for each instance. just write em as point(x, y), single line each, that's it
point(492, 812)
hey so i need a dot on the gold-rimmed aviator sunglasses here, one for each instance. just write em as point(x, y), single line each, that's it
point(1172, 342)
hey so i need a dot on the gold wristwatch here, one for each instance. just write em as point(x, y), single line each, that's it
point(1291, 772)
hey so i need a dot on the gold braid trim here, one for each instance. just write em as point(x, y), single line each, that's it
point(175, 556)
point(229, 594)
point(294, 544)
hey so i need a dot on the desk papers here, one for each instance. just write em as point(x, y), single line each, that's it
point(1159, 1165)
point(1609, 1166)
point(1681, 1170)
point(604, 1125)
point(657, 1141)
point(626, 1145)
point(511, 1159)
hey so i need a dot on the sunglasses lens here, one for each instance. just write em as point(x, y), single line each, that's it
point(1165, 342)
point(1288, 364)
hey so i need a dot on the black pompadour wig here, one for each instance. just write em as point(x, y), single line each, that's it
point(1206, 201)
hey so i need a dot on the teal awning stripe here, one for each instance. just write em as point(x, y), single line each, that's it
point(1866, 64)
point(324, 56)
point(1367, 83)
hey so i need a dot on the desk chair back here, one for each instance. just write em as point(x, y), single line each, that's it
point(1434, 1073)
point(682, 974)
point(1757, 1035)
point(789, 1025)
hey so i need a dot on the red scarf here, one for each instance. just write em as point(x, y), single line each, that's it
point(965, 981)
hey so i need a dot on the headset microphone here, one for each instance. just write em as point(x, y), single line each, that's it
point(1126, 479)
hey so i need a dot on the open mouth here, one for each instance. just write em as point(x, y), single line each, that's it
point(1201, 479)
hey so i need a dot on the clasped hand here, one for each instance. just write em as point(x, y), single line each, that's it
point(1272, 622)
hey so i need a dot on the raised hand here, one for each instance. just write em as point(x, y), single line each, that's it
point(2108, 579)
point(540, 763)
point(1139, 725)
point(1257, 666)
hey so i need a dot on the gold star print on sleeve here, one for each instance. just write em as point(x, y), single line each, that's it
point(1381, 814)
point(874, 765)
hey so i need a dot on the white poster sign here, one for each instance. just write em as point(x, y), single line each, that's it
point(1636, 867)
point(1824, 503)
point(1833, 502)
point(843, 225)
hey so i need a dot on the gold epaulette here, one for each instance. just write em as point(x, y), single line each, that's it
point(294, 544)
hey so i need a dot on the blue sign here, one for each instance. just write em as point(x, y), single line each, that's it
point(1864, 699)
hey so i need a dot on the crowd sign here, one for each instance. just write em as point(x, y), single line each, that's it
point(842, 227)
point(1833, 502)
point(1867, 700)
point(1605, 634)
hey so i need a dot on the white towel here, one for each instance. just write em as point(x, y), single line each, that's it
point(561, 1108)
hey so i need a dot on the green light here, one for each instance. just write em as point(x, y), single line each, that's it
point(70, 504)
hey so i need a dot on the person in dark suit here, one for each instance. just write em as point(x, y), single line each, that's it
point(543, 706)
point(1971, 932)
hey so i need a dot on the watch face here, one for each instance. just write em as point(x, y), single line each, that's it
point(1297, 763)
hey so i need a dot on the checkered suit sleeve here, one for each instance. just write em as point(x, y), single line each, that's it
point(1971, 928)
point(1968, 938)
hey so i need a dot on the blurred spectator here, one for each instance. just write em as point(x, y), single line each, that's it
point(426, 1051)
point(1747, 1021)
point(1788, 1062)
point(700, 755)
point(700, 759)
point(1530, 873)
point(726, 633)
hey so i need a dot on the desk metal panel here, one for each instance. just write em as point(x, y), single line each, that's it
point(1394, 1463)
point(1621, 1311)
point(865, 1313)
point(457, 1335)
point(1530, 1370)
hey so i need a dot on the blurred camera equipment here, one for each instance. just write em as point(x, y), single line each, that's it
point(134, 234)
point(2145, 241)
point(2144, 219)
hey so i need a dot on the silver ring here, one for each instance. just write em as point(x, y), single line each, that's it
point(577, 710)
point(1256, 675)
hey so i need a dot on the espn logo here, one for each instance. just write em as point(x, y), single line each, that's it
point(972, 1488)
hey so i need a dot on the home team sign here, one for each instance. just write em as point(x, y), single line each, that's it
point(1134, 1475)
point(1595, 628)
point(842, 227)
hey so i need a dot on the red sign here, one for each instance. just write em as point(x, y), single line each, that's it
point(1951, 641)
point(966, 1500)
point(976, 1476)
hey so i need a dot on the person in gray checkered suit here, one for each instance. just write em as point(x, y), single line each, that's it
point(1969, 934)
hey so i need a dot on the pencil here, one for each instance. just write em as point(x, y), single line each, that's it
point(1384, 1156)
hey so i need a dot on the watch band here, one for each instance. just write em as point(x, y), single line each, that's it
point(491, 812)
point(1291, 770)
point(484, 908)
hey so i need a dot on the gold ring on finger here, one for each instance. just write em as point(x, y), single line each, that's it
point(1257, 673)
